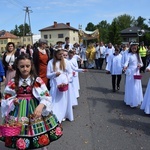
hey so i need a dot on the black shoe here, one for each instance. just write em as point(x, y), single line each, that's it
point(114, 90)
point(118, 88)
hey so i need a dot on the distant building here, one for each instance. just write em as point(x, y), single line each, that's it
point(58, 32)
point(131, 34)
point(36, 37)
point(26, 40)
point(6, 37)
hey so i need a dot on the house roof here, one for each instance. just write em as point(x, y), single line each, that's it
point(5, 35)
point(59, 26)
point(132, 30)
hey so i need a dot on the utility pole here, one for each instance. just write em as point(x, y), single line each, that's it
point(27, 13)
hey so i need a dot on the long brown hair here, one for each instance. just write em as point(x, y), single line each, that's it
point(33, 74)
point(55, 59)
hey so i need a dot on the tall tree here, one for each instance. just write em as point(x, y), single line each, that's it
point(21, 30)
point(90, 27)
point(124, 21)
point(103, 28)
point(139, 22)
point(15, 31)
point(114, 35)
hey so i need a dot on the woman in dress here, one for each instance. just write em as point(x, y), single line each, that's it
point(27, 101)
point(133, 88)
point(59, 72)
point(8, 61)
point(41, 56)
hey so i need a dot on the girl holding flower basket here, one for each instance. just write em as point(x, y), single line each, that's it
point(60, 74)
point(26, 100)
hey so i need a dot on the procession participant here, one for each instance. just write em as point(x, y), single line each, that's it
point(67, 42)
point(143, 52)
point(60, 74)
point(41, 56)
point(27, 101)
point(83, 55)
point(8, 61)
point(109, 51)
point(102, 54)
point(74, 66)
point(97, 56)
point(115, 68)
point(133, 88)
point(90, 55)
point(146, 101)
point(71, 87)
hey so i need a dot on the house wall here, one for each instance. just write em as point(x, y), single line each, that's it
point(3, 43)
point(27, 40)
point(52, 36)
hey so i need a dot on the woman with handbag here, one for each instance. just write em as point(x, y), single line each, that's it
point(133, 87)
point(8, 61)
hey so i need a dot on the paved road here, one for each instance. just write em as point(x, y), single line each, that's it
point(102, 120)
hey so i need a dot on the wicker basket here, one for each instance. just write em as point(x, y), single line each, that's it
point(138, 77)
point(63, 88)
point(10, 130)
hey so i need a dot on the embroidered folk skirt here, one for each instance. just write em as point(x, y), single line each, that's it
point(35, 133)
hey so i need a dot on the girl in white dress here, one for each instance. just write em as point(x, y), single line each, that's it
point(71, 87)
point(146, 101)
point(58, 70)
point(133, 88)
point(74, 66)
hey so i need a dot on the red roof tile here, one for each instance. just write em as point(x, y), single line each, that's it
point(6, 35)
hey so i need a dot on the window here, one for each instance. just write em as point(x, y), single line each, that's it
point(50, 36)
point(1, 41)
point(24, 39)
point(74, 38)
point(60, 36)
point(5, 41)
point(28, 39)
point(45, 36)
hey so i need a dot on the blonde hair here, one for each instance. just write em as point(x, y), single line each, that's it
point(62, 61)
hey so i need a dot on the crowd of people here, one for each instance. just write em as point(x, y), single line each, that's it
point(42, 84)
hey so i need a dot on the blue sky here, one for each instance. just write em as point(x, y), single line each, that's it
point(45, 12)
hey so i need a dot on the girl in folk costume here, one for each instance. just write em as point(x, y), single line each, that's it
point(133, 88)
point(27, 101)
point(59, 72)
point(114, 67)
point(146, 101)
point(71, 88)
point(8, 61)
point(75, 69)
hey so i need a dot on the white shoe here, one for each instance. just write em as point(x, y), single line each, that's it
point(64, 119)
